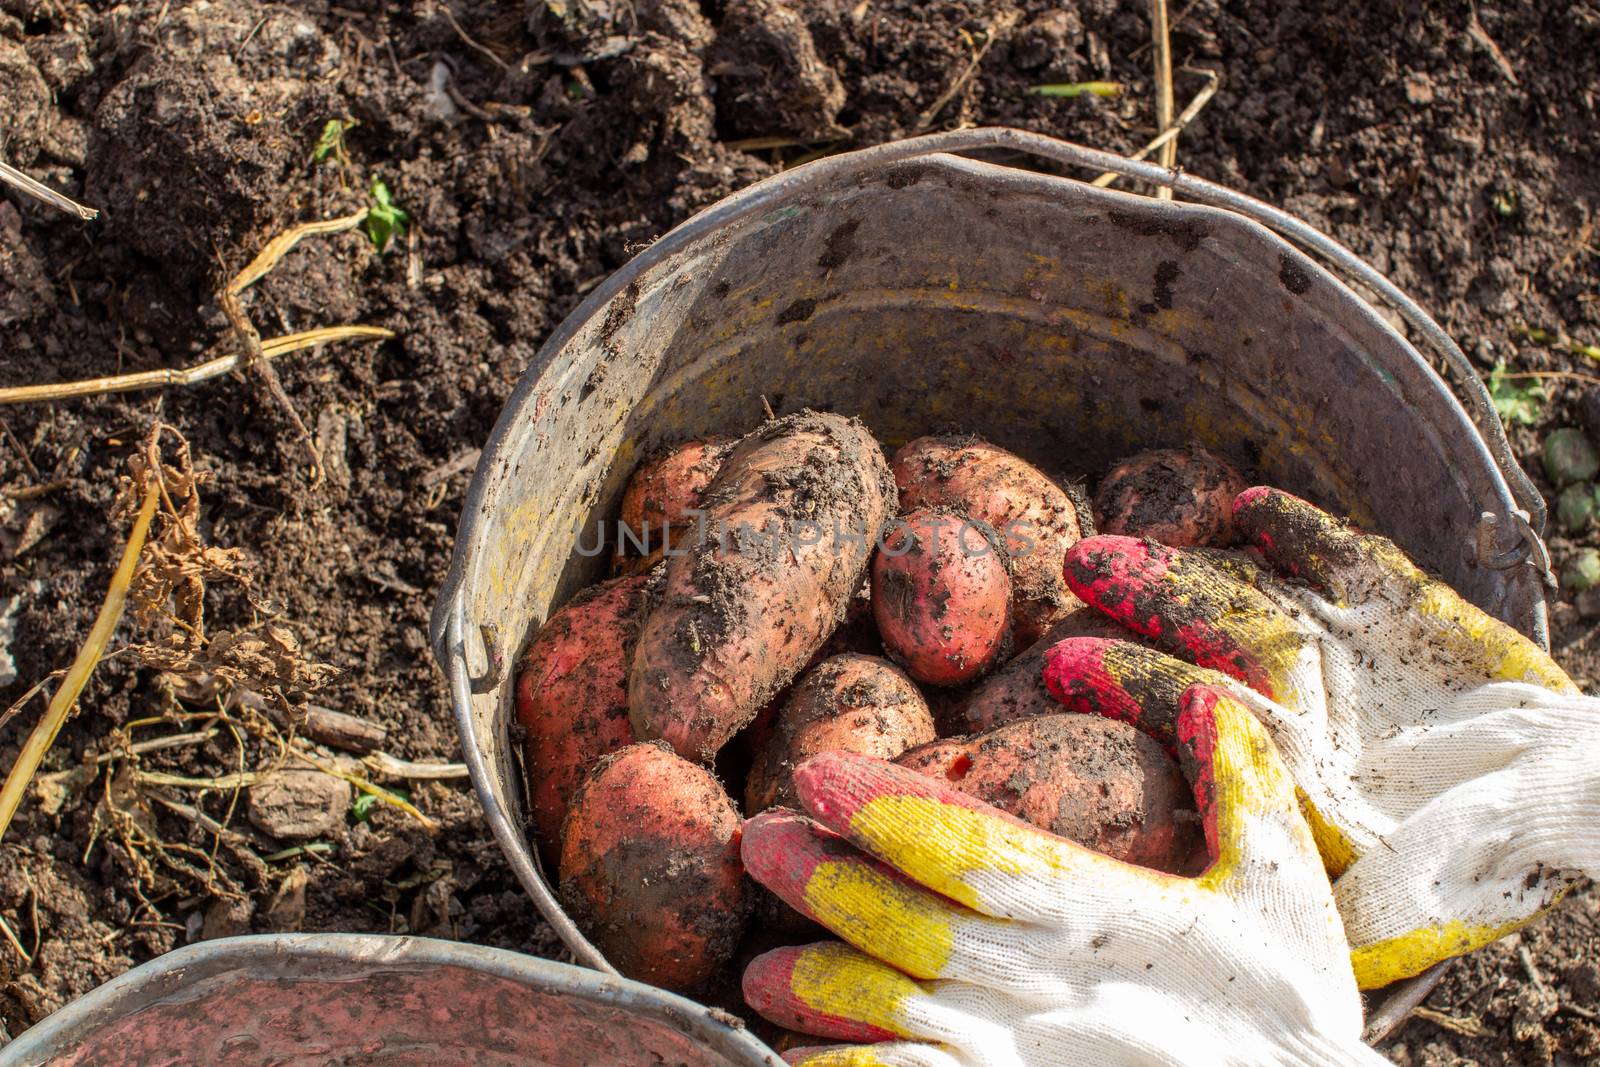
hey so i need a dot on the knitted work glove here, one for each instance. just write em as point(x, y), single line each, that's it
point(1445, 760)
point(974, 938)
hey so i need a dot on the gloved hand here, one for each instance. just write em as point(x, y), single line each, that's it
point(978, 939)
point(1449, 766)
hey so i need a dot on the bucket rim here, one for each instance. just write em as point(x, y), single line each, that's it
point(168, 976)
point(1522, 508)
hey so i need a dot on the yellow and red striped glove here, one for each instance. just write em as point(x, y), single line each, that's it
point(972, 938)
point(1448, 765)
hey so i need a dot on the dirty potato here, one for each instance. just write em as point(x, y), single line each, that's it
point(650, 867)
point(1032, 514)
point(848, 703)
point(572, 697)
point(941, 595)
point(1095, 781)
point(1017, 691)
point(661, 497)
point(1180, 497)
point(747, 607)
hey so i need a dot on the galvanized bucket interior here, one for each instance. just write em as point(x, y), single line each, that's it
point(922, 291)
point(307, 1000)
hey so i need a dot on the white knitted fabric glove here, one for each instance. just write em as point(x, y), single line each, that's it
point(978, 939)
point(1449, 766)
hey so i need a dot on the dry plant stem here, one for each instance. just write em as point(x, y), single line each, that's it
point(388, 766)
point(15, 178)
point(179, 781)
point(22, 701)
point(157, 379)
point(1201, 99)
point(193, 814)
point(1570, 375)
point(22, 453)
point(256, 351)
point(1158, 27)
point(158, 744)
point(11, 936)
point(33, 492)
point(247, 335)
point(233, 798)
point(465, 461)
point(266, 377)
point(1476, 31)
point(44, 734)
point(282, 244)
point(324, 725)
point(468, 41)
point(237, 843)
point(1468, 1027)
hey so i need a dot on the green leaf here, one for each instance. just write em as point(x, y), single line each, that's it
point(362, 808)
point(332, 134)
point(1070, 89)
point(1518, 401)
point(385, 219)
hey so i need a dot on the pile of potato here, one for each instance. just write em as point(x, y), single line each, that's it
point(720, 657)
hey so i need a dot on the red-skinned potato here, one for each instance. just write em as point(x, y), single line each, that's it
point(1179, 497)
point(740, 616)
point(660, 496)
point(1017, 691)
point(856, 633)
point(650, 867)
point(847, 703)
point(1095, 781)
point(572, 696)
point(1032, 514)
point(941, 595)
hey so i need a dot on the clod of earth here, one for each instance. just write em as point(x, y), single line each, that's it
point(299, 805)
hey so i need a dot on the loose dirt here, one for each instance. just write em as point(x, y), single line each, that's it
point(1451, 145)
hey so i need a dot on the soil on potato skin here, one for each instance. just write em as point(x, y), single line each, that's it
point(1454, 151)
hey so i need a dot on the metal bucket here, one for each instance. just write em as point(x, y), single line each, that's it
point(919, 289)
point(305, 1000)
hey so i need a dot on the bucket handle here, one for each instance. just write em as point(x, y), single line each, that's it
point(1526, 519)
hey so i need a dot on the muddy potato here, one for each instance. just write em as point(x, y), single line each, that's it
point(741, 615)
point(1033, 515)
point(650, 867)
point(1017, 691)
point(572, 696)
point(660, 496)
point(857, 633)
point(848, 703)
point(941, 595)
point(1095, 781)
point(1182, 498)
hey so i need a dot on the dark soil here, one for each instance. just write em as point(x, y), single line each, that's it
point(1456, 151)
